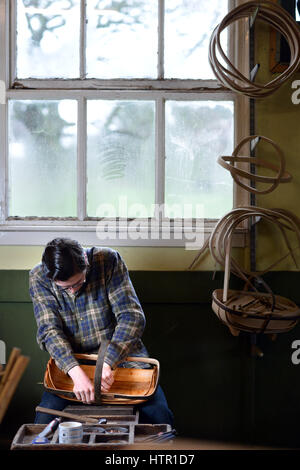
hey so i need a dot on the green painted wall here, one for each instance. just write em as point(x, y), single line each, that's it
point(136, 258)
point(278, 119)
point(207, 374)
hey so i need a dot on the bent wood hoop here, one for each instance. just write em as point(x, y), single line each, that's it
point(276, 17)
point(282, 176)
point(131, 385)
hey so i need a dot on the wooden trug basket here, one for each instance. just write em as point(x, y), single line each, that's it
point(130, 386)
point(252, 312)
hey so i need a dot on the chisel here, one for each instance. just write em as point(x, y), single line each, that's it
point(50, 428)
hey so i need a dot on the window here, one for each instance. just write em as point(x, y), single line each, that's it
point(112, 121)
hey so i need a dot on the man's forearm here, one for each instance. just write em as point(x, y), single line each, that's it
point(61, 352)
point(125, 337)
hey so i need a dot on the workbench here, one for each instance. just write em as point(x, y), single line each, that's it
point(120, 430)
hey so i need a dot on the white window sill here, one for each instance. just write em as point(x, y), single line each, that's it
point(135, 233)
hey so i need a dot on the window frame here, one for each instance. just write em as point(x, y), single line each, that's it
point(37, 231)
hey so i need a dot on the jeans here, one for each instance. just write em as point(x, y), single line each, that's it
point(153, 411)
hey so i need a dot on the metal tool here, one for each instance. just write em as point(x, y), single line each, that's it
point(94, 429)
point(161, 436)
point(49, 429)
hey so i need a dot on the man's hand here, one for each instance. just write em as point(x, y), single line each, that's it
point(83, 387)
point(107, 378)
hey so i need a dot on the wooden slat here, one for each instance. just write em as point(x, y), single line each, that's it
point(15, 353)
point(126, 381)
point(12, 383)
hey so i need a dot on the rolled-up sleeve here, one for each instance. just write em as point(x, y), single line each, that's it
point(50, 335)
point(128, 312)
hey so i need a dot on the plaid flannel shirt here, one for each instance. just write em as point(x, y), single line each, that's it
point(105, 307)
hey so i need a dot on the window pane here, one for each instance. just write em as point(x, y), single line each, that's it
point(122, 39)
point(188, 27)
point(120, 158)
point(48, 38)
point(42, 158)
point(197, 133)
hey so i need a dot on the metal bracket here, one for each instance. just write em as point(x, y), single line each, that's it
point(255, 219)
point(254, 72)
point(256, 351)
point(253, 17)
point(254, 143)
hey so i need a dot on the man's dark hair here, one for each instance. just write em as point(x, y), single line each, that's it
point(62, 258)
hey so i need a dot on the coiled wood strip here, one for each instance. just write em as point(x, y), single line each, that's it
point(279, 19)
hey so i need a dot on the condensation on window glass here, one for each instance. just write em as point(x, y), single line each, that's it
point(197, 133)
point(42, 158)
point(48, 33)
point(188, 28)
point(122, 39)
point(120, 158)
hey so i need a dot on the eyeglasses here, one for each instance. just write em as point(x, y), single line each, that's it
point(73, 286)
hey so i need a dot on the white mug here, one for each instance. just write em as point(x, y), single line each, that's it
point(70, 432)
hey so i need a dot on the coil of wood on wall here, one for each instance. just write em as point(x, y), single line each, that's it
point(251, 310)
point(281, 176)
point(280, 20)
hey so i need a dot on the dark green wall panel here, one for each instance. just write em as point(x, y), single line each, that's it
point(151, 286)
point(14, 286)
point(213, 385)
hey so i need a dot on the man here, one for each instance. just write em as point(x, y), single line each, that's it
point(80, 298)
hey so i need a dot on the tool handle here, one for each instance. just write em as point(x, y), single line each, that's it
point(50, 427)
point(64, 414)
